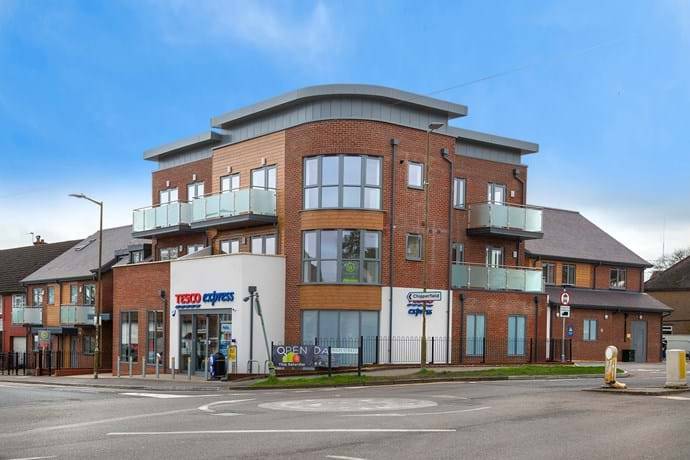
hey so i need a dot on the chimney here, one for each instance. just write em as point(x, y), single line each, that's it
point(39, 240)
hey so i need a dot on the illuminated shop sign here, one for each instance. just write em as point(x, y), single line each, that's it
point(191, 300)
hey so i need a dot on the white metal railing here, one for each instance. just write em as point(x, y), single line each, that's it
point(505, 215)
point(500, 278)
point(234, 203)
point(27, 315)
point(77, 314)
point(161, 216)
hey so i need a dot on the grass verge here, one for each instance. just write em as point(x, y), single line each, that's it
point(512, 371)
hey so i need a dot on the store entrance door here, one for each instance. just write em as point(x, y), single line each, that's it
point(202, 335)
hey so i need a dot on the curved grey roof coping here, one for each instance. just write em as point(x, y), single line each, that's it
point(523, 146)
point(197, 140)
point(452, 110)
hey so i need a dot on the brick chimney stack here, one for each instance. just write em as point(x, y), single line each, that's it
point(39, 240)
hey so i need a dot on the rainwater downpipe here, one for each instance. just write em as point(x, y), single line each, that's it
point(451, 171)
point(394, 151)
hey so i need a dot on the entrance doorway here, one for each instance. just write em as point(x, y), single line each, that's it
point(202, 335)
point(639, 340)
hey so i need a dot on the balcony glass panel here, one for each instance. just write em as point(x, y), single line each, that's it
point(467, 276)
point(503, 215)
point(234, 203)
point(27, 315)
point(165, 215)
point(77, 314)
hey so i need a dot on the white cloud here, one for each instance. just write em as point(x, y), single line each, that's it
point(268, 27)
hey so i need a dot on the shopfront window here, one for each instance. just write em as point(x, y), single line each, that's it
point(338, 326)
point(341, 256)
point(129, 336)
point(342, 181)
point(516, 335)
point(475, 335)
point(155, 342)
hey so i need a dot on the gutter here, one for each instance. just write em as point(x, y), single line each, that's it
point(451, 171)
point(391, 231)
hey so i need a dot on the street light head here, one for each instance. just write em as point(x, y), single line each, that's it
point(77, 195)
point(435, 126)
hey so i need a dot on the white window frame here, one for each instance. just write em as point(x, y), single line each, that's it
point(619, 279)
point(408, 237)
point(340, 187)
point(168, 252)
point(232, 181)
point(192, 248)
point(414, 164)
point(229, 244)
point(262, 239)
point(167, 196)
point(195, 190)
point(18, 300)
point(459, 192)
point(574, 274)
point(472, 345)
point(589, 330)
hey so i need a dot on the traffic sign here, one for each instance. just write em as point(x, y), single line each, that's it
point(565, 298)
point(421, 296)
point(565, 311)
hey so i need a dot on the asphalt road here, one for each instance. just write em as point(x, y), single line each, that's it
point(507, 419)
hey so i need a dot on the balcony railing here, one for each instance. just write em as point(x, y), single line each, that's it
point(504, 218)
point(77, 314)
point(27, 315)
point(524, 279)
point(245, 201)
point(162, 216)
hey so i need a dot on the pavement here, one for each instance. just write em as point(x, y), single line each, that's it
point(526, 419)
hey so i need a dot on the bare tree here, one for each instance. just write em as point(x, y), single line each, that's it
point(664, 262)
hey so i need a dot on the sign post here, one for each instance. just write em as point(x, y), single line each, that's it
point(565, 313)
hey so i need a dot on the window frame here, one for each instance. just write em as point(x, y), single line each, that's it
point(489, 251)
point(362, 260)
point(619, 279)
point(230, 178)
point(463, 203)
point(491, 192)
point(266, 169)
point(476, 349)
point(168, 250)
point(193, 248)
point(457, 248)
point(339, 312)
point(50, 294)
point(410, 164)
point(567, 267)
point(37, 296)
point(549, 268)
point(73, 294)
point(140, 255)
point(587, 330)
point(87, 340)
point(18, 300)
point(421, 247)
point(517, 349)
point(158, 332)
point(168, 191)
point(124, 354)
point(89, 287)
point(363, 185)
point(263, 239)
point(196, 185)
point(229, 242)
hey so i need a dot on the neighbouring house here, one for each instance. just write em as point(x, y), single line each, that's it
point(605, 282)
point(672, 287)
point(16, 318)
point(66, 290)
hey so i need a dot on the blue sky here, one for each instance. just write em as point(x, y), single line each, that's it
point(603, 87)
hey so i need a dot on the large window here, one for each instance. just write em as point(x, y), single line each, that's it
point(413, 247)
point(516, 335)
point(342, 181)
point(230, 246)
point(496, 193)
point(569, 274)
point(37, 295)
point(589, 330)
point(549, 272)
point(494, 256)
point(230, 183)
point(341, 256)
point(18, 300)
point(155, 342)
point(129, 336)
point(264, 244)
point(264, 178)
point(89, 294)
point(335, 324)
point(459, 193)
point(475, 335)
point(617, 278)
point(415, 175)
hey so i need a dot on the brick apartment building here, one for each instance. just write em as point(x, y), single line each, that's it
point(65, 291)
point(605, 281)
point(317, 198)
point(16, 318)
point(672, 287)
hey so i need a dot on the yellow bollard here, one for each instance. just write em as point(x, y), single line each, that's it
point(675, 369)
point(610, 372)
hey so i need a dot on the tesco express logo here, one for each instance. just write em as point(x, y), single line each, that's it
point(195, 299)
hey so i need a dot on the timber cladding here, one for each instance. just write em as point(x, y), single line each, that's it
point(339, 297)
point(343, 218)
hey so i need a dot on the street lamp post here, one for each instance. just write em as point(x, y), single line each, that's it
point(99, 296)
point(425, 240)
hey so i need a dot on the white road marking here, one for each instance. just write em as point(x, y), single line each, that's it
point(448, 397)
point(169, 396)
point(94, 422)
point(349, 404)
point(33, 458)
point(675, 398)
point(414, 414)
point(343, 457)
point(297, 430)
point(207, 407)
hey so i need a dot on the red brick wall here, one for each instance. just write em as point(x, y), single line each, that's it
point(634, 282)
point(8, 330)
point(137, 288)
point(180, 177)
point(610, 331)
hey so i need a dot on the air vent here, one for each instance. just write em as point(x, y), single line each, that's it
point(85, 244)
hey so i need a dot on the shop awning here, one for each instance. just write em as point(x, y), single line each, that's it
point(608, 299)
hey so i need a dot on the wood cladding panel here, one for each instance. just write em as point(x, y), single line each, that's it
point(343, 218)
point(340, 297)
